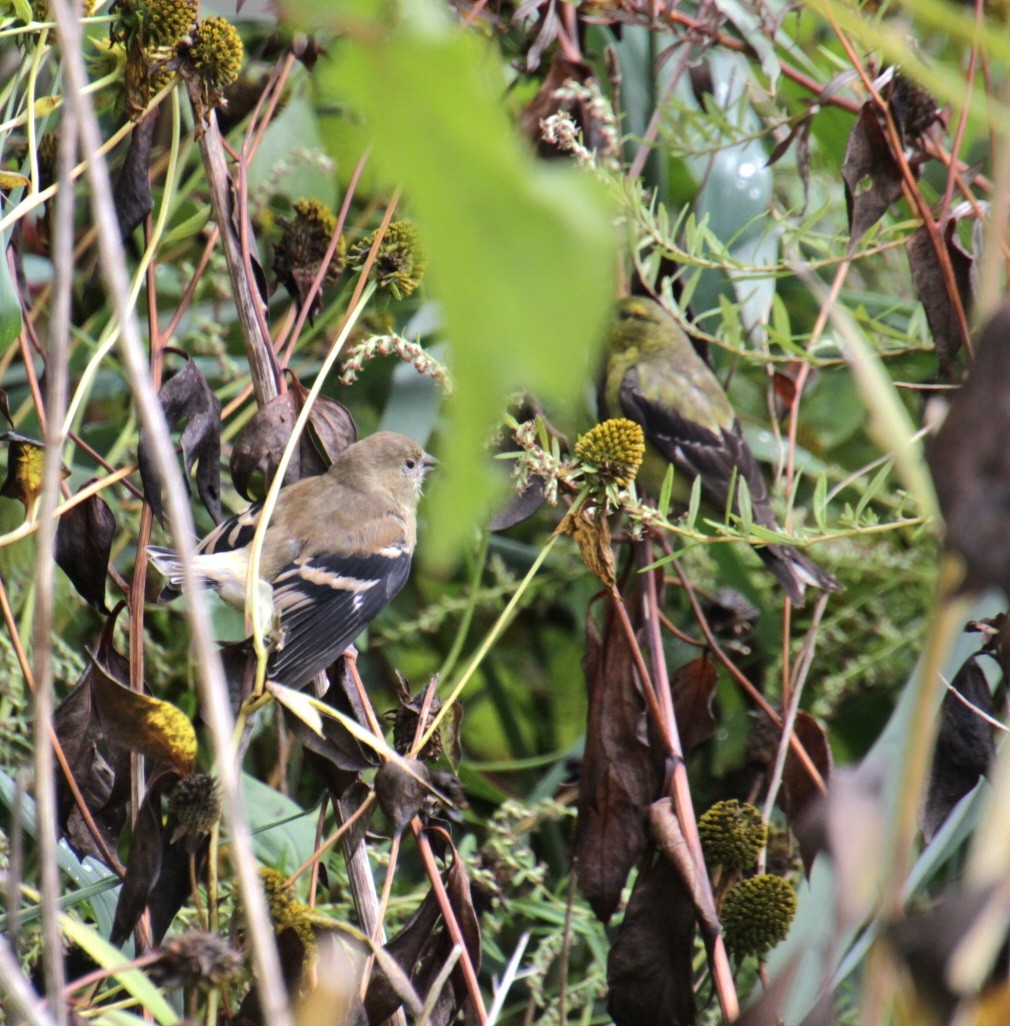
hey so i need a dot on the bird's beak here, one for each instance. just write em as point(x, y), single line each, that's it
point(428, 462)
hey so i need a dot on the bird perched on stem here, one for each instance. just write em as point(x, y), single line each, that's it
point(337, 549)
point(654, 376)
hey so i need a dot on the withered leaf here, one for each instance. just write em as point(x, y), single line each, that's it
point(258, 448)
point(592, 535)
point(78, 730)
point(5, 408)
point(421, 949)
point(173, 887)
point(670, 840)
point(932, 290)
point(798, 788)
point(132, 195)
point(519, 507)
point(83, 544)
point(400, 790)
point(871, 174)
point(337, 745)
point(649, 969)
point(965, 746)
point(143, 724)
point(187, 396)
point(621, 770)
point(693, 687)
point(970, 462)
point(142, 868)
point(25, 464)
point(102, 778)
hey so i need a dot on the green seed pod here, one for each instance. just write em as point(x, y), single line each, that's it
point(756, 914)
point(732, 834)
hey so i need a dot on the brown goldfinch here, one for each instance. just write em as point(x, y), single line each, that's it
point(337, 549)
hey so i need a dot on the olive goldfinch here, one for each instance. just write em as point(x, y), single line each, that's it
point(654, 376)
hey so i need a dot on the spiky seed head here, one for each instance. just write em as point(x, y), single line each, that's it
point(756, 914)
point(196, 803)
point(400, 261)
point(216, 52)
point(732, 834)
point(405, 727)
point(305, 239)
point(165, 22)
point(197, 959)
point(614, 449)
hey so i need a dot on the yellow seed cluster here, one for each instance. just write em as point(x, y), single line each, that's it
point(167, 21)
point(732, 834)
point(756, 914)
point(217, 52)
point(614, 448)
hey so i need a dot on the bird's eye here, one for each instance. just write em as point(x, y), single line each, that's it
point(409, 464)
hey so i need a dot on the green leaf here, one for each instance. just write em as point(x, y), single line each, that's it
point(284, 833)
point(521, 254)
point(10, 308)
point(133, 981)
point(694, 504)
point(666, 492)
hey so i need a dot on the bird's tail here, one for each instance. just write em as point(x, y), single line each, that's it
point(796, 571)
point(170, 566)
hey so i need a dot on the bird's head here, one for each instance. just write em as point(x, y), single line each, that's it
point(639, 322)
point(388, 461)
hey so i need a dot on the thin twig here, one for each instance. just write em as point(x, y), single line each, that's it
point(56, 401)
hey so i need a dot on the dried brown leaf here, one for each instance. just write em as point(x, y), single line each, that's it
point(258, 448)
point(649, 970)
point(83, 545)
point(970, 462)
point(871, 174)
point(187, 396)
point(621, 770)
point(965, 746)
point(693, 687)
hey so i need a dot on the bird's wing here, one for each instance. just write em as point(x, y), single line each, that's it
point(234, 533)
point(325, 600)
point(695, 437)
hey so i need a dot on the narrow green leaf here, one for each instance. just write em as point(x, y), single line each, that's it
point(666, 493)
point(694, 504)
point(133, 981)
point(10, 308)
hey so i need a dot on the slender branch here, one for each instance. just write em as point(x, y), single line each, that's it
point(56, 401)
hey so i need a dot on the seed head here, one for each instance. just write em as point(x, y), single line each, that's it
point(165, 22)
point(196, 803)
point(216, 52)
point(399, 264)
point(614, 450)
point(196, 959)
point(732, 834)
point(756, 914)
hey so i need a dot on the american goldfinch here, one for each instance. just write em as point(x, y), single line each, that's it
point(337, 549)
point(653, 376)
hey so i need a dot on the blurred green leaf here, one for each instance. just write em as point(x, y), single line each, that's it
point(521, 255)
